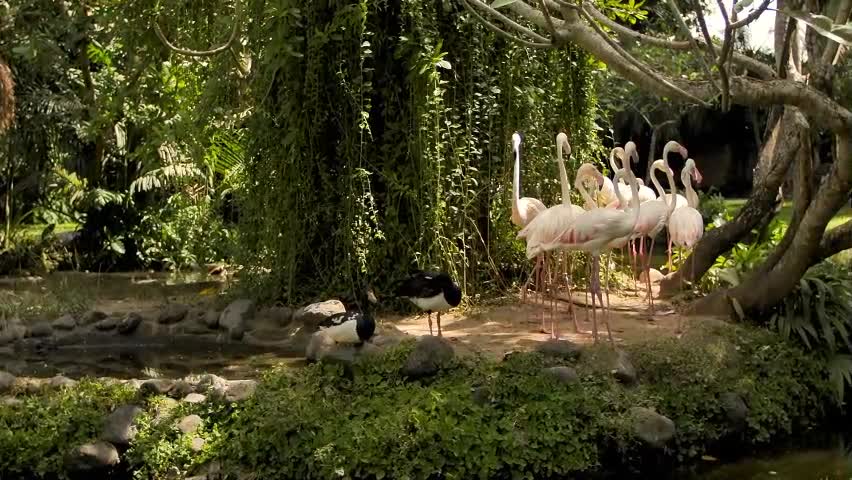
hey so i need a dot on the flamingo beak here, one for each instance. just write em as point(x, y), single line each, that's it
point(696, 175)
point(600, 179)
point(683, 152)
point(371, 296)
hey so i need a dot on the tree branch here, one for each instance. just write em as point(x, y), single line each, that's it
point(751, 16)
point(203, 53)
point(836, 240)
point(723, 56)
point(843, 11)
point(695, 45)
point(508, 21)
point(502, 33)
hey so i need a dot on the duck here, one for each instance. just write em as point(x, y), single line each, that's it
point(354, 326)
point(431, 292)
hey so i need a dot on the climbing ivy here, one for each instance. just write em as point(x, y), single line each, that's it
point(380, 143)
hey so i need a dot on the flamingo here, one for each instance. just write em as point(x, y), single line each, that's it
point(686, 226)
point(548, 224)
point(667, 149)
point(597, 230)
point(524, 209)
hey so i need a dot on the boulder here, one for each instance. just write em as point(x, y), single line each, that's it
point(119, 428)
point(59, 382)
point(563, 349)
point(319, 346)
point(91, 316)
point(65, 322)
point(194, 398)
point(240, 390)
point(40, 330)
point(12, 333)
point(156, 387)
point(210, 319)
point(189, 423)
point(273, 317)
point(653, 429)
point(172, 313)
point(235, 318)
point(129, 323)
point(92, 456)
point(312, 315)
point(656, 277)
point(213, 384)
point(7, 382)
point(736, 411)
point(181, 389)
point(563, 375)
point(106, 324)
point(430, 355)
point(623, 369)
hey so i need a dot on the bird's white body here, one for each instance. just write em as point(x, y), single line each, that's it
point(606, 195)
point(680, 200)
point(344, 333)
point(686, 226)
point(523, 209)
point(645, 193)
point(594, 229)
point(434, 304)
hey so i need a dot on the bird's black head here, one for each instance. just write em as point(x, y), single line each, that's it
point(452, 292)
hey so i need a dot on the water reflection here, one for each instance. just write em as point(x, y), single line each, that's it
point(829, 463)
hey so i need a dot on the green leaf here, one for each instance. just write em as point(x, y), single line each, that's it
point(824, 26)
point(743, 4)
point(502, 3)
point(444, 64)
point(117, 246)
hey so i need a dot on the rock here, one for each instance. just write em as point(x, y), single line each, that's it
point(240, 390)
point(172, 313)
point(563, 349)
point(92, 456)
point(278, 316)
point(623, 369)
point(189, 423)
point(10, 401)
point(12, 333)
point(92, 316)
point(108, 323)
point(59, 382)
point(651, 427)
point(319, 346)
point(163, 408)
point(191, 328)
point(213, 384)
point(194, 398)
point(656, 277)
point(430, 354)
point(119, 428)
point(210, 319)
point(736, 411)
point(235, 318)
point(7, 382)
point(196, 446)
point(564, 375)
point(40, 330)
point(181, 389)
point(65, 322)
point(128, 324)
point(311, 315)
point(156, 387)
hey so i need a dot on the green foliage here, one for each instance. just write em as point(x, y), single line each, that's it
point(714, 210)
point(37, 434)
point(730, 269)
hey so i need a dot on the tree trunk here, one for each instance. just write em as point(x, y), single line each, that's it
point(782, 145)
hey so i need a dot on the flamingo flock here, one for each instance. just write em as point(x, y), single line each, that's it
point(618, 213)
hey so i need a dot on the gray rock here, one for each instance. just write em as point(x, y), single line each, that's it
point(235, 318)
point(564, 375)
point(278, 316)
point(196, 446)
point(191, 328)
point(119, 428)
point(180, 389)
point(7, 382)
point(129, 323)
point(623, 369)
point(156, 387)
point(736, 411)
point(319, 346)
point(65, 322)
point(194, 398)
point(92, 456)
point(172, 313)
point(189, 423)
point(240, 390)
point(563, 349)
point(40, 330)
point(430, 355)
point(12, 333)
point(106, 324)
point(92, 316)
point(59, 382)
point(213, 384)
point(312, 315)
point(653, 429)
point(210, 319)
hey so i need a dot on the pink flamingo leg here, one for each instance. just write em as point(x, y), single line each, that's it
point(592, 280)
point(650, 294)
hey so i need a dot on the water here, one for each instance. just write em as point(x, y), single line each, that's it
point(827, 463)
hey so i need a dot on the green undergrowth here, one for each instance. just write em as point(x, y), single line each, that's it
point(477, 419)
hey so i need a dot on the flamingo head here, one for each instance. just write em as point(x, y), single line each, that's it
point(640, 182)
point(618, 153)
point(516, 140)
point(673, 146)
point(696, 174)
point(562, 142)
point(631, 150)
point(589, 170)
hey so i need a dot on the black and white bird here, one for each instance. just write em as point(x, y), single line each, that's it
point(351, 326)
point(432, 292)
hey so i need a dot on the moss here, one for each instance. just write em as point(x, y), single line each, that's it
point(477, 419)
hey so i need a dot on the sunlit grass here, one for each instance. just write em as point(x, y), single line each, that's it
point(34, 230)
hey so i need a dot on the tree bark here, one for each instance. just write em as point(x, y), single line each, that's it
point(783, 145)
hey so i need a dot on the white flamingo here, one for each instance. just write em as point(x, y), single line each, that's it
point(686, 226)
point(524, 209)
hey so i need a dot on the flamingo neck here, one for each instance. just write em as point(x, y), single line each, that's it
point(613, 163)
point(673, 200)
point(691, 196)
point(661, 193)
point(563, 177)
point(578, 182)
point(516, 179)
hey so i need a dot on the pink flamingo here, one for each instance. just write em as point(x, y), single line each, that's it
point(548, 224)
point(597, 230)
point(686, 226)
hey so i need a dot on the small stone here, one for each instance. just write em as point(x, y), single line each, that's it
point(129, 323)
point(106, 324)
point(651, 427)
point(235, 318)
point(93, 456)
point(736, 411)
point(92, 316)
point(312, 315)
point(172, 313)
point(7, 382)
point(156, 387)
point(239, 390)
point(563, 375)
point(189, 423)
point(40, 330)
point(180, 389)
point(59, 382)
point(119, 427)
point(196, 446)
point(430, 354)
point(194, 398)
point(563, 349)
point(623, 369)
point(210, 319)
point(65, 322)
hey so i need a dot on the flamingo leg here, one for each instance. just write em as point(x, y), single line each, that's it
point(608, 260)
point(605, 309)
point(633, 257)
point(648, 276)
point(670, 251)
point(541, 288)
point(595, 288)
point(586, 292)
point(570, 279)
